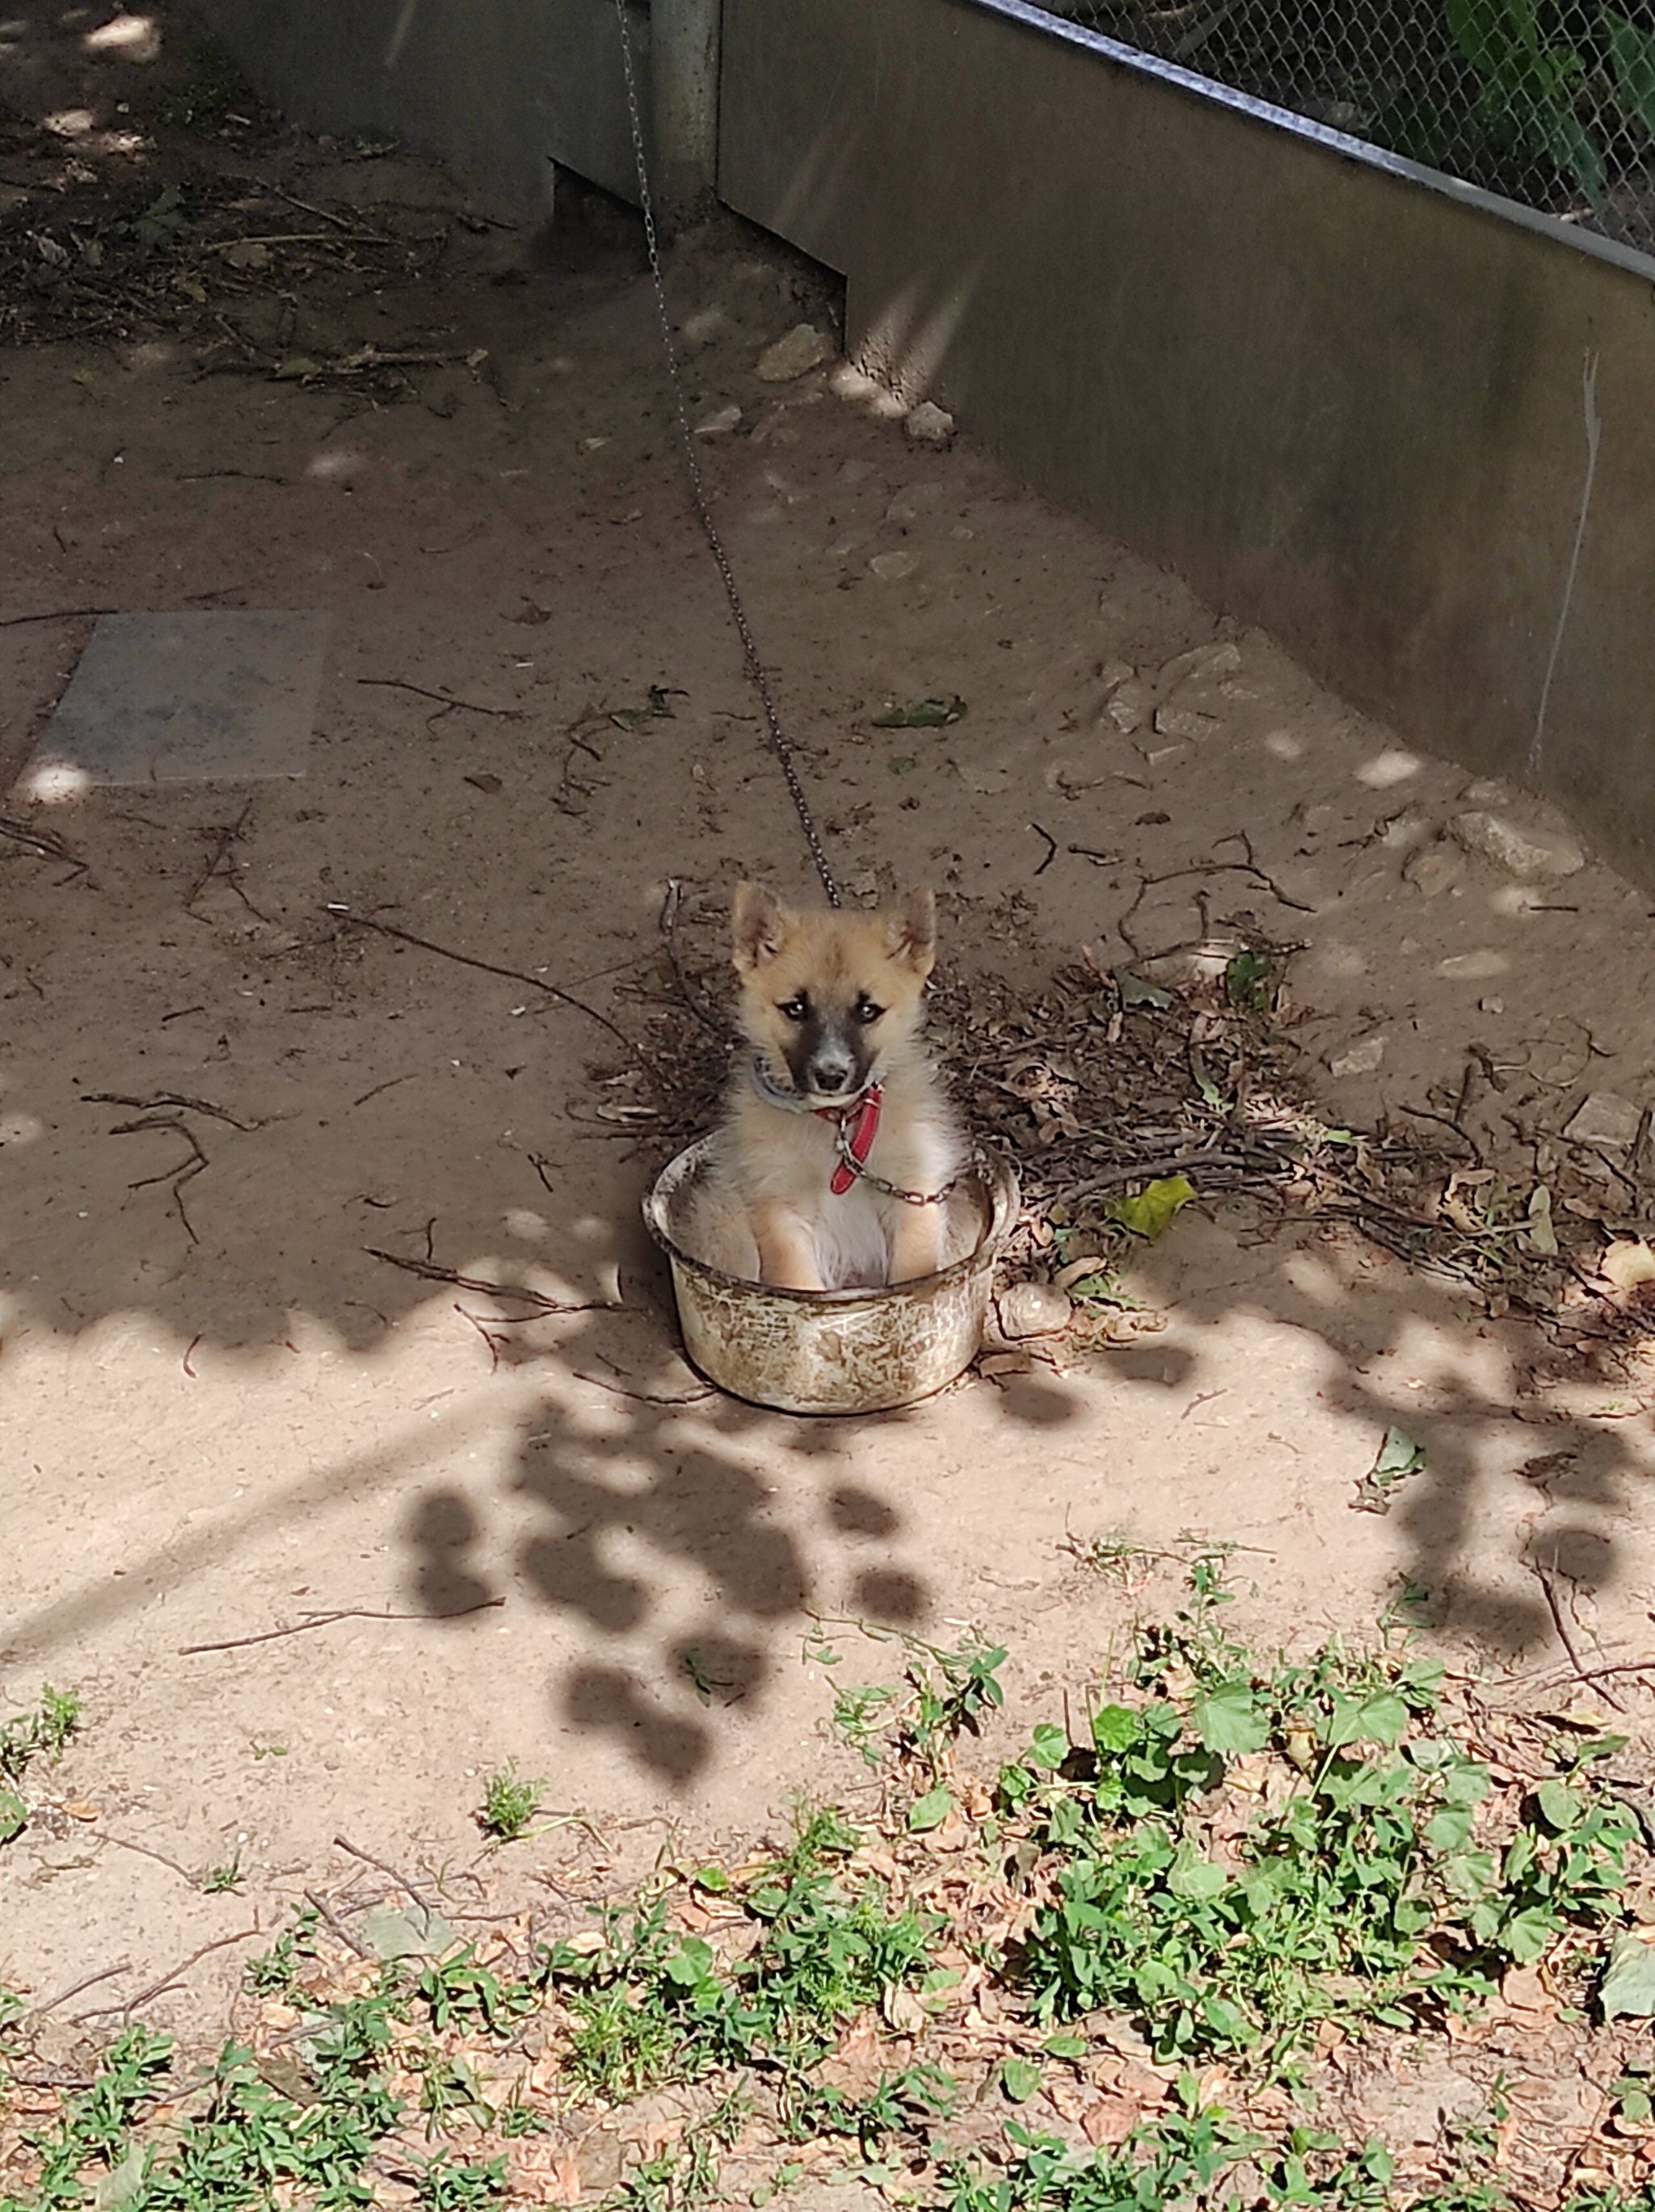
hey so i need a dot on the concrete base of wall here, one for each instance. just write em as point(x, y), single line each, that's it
point(503, 90)
point(1408, 434)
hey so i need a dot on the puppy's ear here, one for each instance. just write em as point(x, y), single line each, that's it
point(910, 930)
point(758, 925)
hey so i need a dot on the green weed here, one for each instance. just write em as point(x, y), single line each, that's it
point(942, 1694)
point(509, 1804)
point(274, 1972)
point(457, 1992)
point(1368, 1884)
point(651, 2005)
point(219, 1880)
point(26, 1737)
point(447, 2185)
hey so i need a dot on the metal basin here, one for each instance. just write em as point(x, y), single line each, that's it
point(831, 1351)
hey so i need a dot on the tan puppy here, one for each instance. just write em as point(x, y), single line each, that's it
point(832, 1009)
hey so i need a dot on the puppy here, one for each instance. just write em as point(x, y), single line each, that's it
point(834, 1076)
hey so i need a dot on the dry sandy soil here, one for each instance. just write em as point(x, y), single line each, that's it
point(222, 1411)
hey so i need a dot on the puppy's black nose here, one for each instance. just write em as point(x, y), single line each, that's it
point(829, 1074)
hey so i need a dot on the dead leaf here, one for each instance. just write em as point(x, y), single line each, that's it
point(1110, 2120)
point(1626, 1263)
point(904, 2012)
point(1523, 1989)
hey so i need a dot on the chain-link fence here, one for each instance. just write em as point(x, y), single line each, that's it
point(1551, 102)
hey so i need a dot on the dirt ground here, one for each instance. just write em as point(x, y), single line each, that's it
point(224, 1411)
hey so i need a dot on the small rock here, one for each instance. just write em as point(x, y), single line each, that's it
point(1404, 831)
point(1603, 1117)
point(1487, 791)
point(892, 567)
point(721, 424)
point(1491, 1006)
point(1392, 766)
point(911, 500)
point(1434, 869)
point(1128, 706)
point(1113, 673)
point(1359, 1059)
point(1471, 967)
point(1221, 657)
point(700, 329)
point(1032, 1310)
point(1186, 722)
point(805, 348)
point(858, 389)
point(1533, 856)
point(928, 424)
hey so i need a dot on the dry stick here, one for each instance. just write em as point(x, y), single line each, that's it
point(161, 1858)
point(323, 215)
point(219, 1943)
point(327, 1620)
point(670, 931)
point(177, 1177)
point(488, 968)
point(536, 1301)
point(41, 841)
point(444, 698)
point(644, 1397)
point(87, 1982)
point(1543, 1577)
point(57, 613)
point(126, 2010)
point(337, 1924)
point(401, 1879)
point(168, 1098)
point(494, 1339)
point(1051, 848)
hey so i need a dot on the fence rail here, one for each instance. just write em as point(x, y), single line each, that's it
point(1549, 102)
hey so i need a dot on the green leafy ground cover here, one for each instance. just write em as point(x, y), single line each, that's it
point(1139, 1966)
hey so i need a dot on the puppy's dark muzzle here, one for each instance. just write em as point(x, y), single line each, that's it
point(828, 1065)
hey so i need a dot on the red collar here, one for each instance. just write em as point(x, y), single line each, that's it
point(859, 1140)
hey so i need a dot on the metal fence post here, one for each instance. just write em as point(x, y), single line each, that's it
point(684, 99)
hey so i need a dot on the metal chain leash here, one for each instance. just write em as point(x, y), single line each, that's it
point(779, 743)
point(848, 1159)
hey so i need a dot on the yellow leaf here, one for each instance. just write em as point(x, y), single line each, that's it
point(1627, 1262)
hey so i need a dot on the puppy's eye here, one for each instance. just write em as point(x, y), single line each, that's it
point(797, 1009)
point(866, 1010)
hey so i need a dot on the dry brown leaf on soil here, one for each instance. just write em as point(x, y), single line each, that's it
point(1626, 1263)
point(1524, 1990)
point(544, 2173)
point(1110, 2120)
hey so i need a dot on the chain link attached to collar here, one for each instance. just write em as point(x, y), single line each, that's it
point(844, 1117)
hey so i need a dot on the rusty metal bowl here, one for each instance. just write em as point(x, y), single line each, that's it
point(831, 1351)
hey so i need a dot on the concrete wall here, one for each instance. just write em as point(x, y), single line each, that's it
point(1342, 400)
point(501, 87)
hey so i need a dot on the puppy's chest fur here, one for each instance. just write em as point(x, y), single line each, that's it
point(786, 1158)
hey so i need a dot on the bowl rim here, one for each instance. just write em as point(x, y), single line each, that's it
point(997, 1177)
